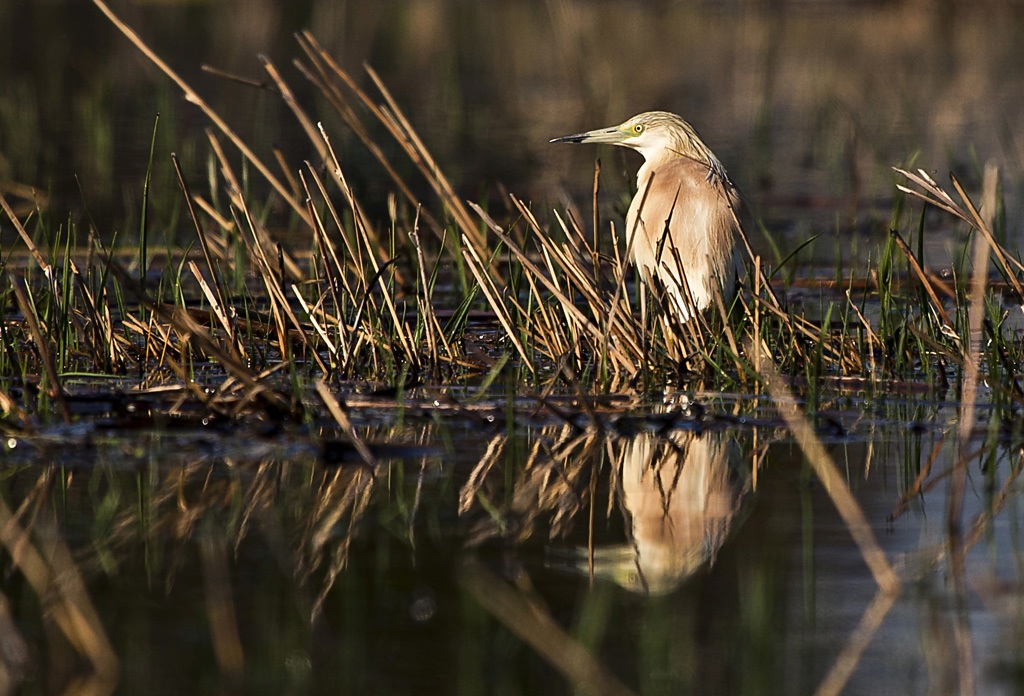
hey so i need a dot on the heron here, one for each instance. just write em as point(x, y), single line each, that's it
point(682, 223)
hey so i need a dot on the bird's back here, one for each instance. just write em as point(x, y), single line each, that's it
point(701, 218)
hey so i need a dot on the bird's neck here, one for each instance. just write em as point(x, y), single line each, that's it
point(651, 163)
point(646, 169)
point(716, 171)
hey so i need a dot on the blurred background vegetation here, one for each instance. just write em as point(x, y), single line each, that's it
point(807, 103)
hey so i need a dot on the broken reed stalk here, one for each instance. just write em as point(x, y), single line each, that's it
point(940, 311)
point(106, 346)
point(374, 248)
point(730, 337)
point(835, 681)
point(492, 295)
point(216, 307)
point(874, 556)
point(311, 316)
point(343, 421)
point(29, 244)
point(958, 483)
point(328, 258)
point(934, 194)
point(220, 302)
point(432, 327)
point(275, 294)
point(830, 476)
point(394, 120)
point(335, 271)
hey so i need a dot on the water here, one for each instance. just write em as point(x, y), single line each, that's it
point(720, 564)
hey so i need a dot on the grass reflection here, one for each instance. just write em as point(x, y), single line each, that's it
point(638, 552)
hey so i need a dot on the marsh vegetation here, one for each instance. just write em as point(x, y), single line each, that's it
point(394, 437)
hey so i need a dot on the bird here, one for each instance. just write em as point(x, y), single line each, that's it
point(683, 222)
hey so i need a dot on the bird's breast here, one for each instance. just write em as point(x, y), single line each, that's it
point(681, 227)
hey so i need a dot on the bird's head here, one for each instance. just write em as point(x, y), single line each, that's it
point(658, 136)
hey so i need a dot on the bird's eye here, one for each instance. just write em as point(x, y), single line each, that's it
point(638, 128)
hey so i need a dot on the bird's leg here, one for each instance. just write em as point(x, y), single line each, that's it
point(684, 368)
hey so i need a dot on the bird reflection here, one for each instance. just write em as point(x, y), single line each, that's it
point(681, 495)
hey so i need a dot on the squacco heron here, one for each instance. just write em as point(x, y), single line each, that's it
point(684, 214)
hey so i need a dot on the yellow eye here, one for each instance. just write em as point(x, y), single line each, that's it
point(638, 128)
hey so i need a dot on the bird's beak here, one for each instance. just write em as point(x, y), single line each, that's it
point(602, 135)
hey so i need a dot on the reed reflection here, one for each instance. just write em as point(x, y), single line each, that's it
point(645, 510)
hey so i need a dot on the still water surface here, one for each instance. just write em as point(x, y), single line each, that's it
point(681, 555)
